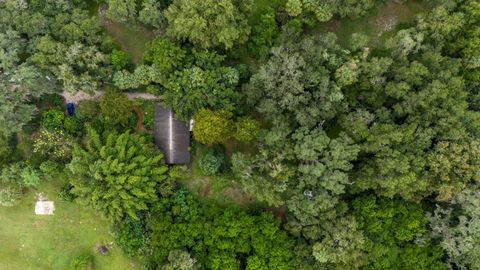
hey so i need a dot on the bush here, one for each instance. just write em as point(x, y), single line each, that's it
point(132, 236)
point(65, 194)
point(211, 161)
point(53, 144)
point(49, 167)
point(72, 125)
point(5, 150)
point(53, 118)
point(212, 127)
point(9, 195)
point(30, 177)
point(82, 262)
point(87, 110)
point(119, 59)
point(116, 108)
point(11, 184)
point(246, 129)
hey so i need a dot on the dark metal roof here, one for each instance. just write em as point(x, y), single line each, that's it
point(172, 136)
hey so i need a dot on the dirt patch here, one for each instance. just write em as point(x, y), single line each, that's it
point(137, 110)
point(79, 96)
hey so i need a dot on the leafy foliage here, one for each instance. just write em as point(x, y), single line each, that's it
point(116, 108)
point(392, 226)
point(459, 234)
point(246, 129)
point(219, 238)
point(209, 23)
point(53, 118)
point(211, 161)
point(53, 144)
point(212, 127)
point(190, 79)
point(119, 175)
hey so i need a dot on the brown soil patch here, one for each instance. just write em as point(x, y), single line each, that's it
point(140, 119)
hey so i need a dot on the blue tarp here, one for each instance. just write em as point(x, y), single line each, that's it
point(71, 109)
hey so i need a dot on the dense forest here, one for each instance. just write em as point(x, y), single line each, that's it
point(344, 149)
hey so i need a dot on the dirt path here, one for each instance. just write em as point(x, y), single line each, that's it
point(79, 96)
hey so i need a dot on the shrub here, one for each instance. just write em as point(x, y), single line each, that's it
point(87, 110)
point(132, 236)
point(65, 193)
point(30, 177)
point(53, 144)
point(119, 59)
point(211, 161)
point(116, 108)
point(49, 167)
point(82, 262)
point(11, 184)
point(53, 118)
point(5, 150)
point(212, 127)
point(9, 195)
point(72, 125)
point(246, 129)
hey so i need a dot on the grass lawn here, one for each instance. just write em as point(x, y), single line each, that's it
point(50, 242)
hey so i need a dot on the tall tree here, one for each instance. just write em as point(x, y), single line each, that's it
point(119, 175)
point(209, 23)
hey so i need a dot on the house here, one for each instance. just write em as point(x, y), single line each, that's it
point(172, 136)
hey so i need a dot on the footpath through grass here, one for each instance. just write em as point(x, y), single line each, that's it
point(50, 242)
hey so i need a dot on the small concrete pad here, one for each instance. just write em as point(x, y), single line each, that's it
point(44, 208)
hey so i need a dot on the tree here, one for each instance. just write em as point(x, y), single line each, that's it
point(391, 227)
point(212, 127)
point(459, 233)
point(17, 92)
point(119, 175)
point(121, 10)
point(324, 10)
point(152, 13)
point(453, 166)
point(195, 88)
point(180, 260)
point(219, 238)
point(209, 23)
point(116, 108)
point(343, 245)
point(188, 79)
point(296, 79)
point(246, 129)
point(264, 34)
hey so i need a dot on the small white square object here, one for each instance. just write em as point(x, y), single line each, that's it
point(44, 208)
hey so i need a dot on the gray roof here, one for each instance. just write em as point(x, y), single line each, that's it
point(172, 136)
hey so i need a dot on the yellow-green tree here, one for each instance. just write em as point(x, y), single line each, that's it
point(212, 127)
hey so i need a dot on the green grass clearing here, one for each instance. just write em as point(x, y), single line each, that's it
point(222, 189)
point(132, 39)
point(50, 242)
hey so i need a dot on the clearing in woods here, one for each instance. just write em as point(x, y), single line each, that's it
point(35, 242)
point(377, 23)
